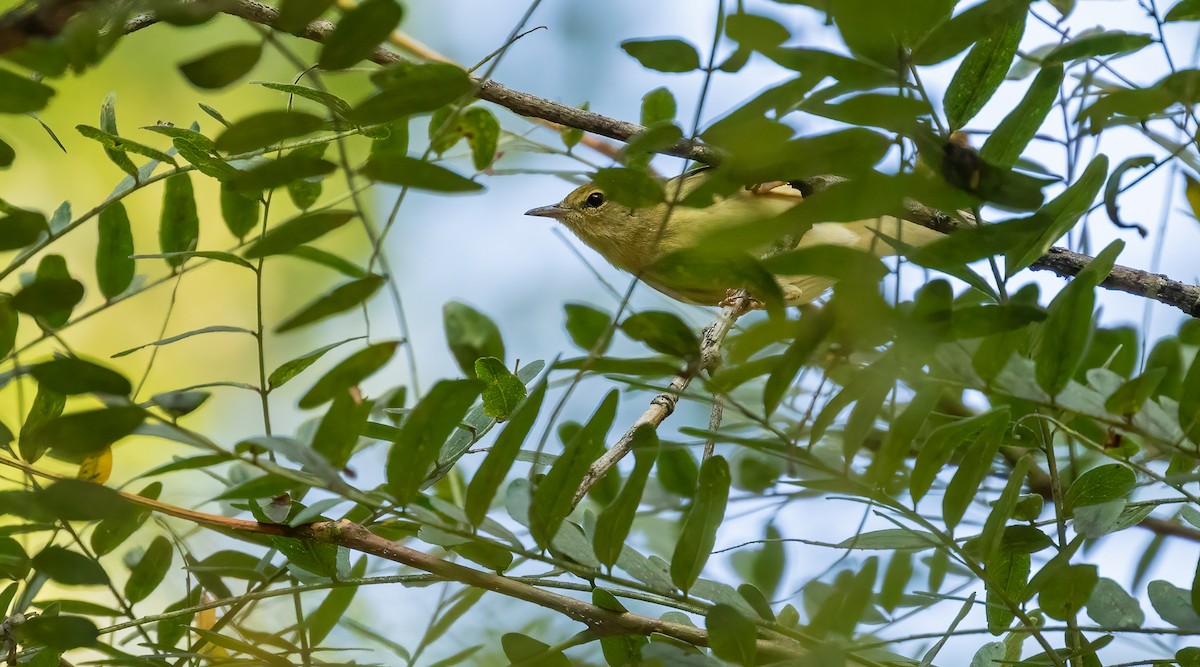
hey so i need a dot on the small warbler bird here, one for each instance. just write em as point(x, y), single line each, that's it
point(635, 240)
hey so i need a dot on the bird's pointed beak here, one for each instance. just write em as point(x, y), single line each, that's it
point(556, 211)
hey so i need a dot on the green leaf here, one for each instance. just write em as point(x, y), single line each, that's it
point(523, 650)
point(421, 437)
point(14, 562)
point(981, 73)
point(496, 466)
point(502, 390)
point(410, 88)
point(179, 228)
point(1069, 323)
point(882, 31)
point(471, 335)
point(1189, 402)
point(114, 144)
point(953, 36)
point(1007, 574)
point(1063, 595)
point(266, 128)
point(9, 320)
point(482, 131)
point(180, 403)
point(663, 55)
point(327, 615)
point(58, 633)
point(891, 539)
point(338, 300)
point(937, 449)
point(731, 636)
point(20, 94)
point(270, 174)
point(1110, 606)
point(979, 321)
point(1174, 605)
point(222, 67)
point(328, 260)
point(553, 498)
point(1106, 43)
point(1002, 510)
point(187, 334)
point(47, 405)
point(631, 187)
point(658, 106)
point(839, 262)
point(349, 373)
point(616, 520)
point(77, 500)
point(755, 32)
point(108, 125)
point(1060, 215)
point(974, 466)
point(587, 326)
point(811, 331)
point(1113, 189)
point(1099, 485)
point(150, 571)
point(290, 369)
point(72, 375)
point(115, 265)
point(339, 430)
point(663, 332)
point(7, 154)
point(1184, 10)
point(414, 173)
point(297, 231)
point(295, 15)
point(69, 568)
point(895, 580)
point(52, 295)
point(359, 32)
point(326, 99)
point(19, 228)
point(704, 517)
point(1013, 134)
point(80, 434)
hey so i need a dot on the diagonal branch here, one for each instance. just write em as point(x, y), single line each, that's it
point(359, 538)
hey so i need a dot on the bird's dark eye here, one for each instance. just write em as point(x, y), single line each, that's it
point(595, 200)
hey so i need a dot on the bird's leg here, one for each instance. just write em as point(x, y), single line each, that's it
point(740, 301)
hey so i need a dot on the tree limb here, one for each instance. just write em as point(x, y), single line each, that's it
point(359, 538)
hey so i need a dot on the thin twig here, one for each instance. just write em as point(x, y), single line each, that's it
point(663, 404)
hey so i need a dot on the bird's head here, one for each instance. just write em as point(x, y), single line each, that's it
point(582, 210)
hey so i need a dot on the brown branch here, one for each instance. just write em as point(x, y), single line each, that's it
point(358, 538)
point(664, 404)
point(490, 91)
point(1155, 286)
